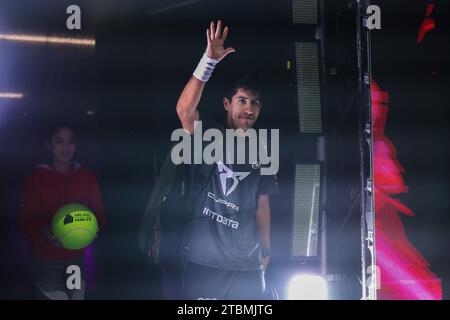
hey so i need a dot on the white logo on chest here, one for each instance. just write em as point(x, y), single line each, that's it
point(226, 173)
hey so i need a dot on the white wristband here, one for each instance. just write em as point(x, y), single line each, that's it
point(205, 68)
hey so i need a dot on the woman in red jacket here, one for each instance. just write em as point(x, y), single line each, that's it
point(51, 186)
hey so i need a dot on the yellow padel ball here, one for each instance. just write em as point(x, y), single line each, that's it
point(75, 226)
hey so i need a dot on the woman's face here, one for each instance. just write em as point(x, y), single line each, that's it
point(62, 145)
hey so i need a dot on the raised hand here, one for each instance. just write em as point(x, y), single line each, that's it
point(216, 39)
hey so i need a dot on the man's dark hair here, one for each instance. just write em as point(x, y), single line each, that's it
point(247, 82)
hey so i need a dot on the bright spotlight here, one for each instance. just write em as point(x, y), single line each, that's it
point(307, 287)
point(47, 39)
point(10, 95)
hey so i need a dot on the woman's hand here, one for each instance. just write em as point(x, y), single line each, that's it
point(52, 239)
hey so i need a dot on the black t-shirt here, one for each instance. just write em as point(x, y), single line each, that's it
point(221, 231)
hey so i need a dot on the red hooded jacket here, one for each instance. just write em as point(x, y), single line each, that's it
point(47, 190)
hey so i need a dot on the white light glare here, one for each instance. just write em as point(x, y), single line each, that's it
point(307, 287)
point(46, 39)
point(10, 95)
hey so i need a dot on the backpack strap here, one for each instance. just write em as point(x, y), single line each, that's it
point(158, 195)
point(161, 190)
point(203, 174)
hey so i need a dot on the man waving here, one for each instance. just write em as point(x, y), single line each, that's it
point(226, 241)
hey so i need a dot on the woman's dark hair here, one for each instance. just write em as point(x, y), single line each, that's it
point(245, 82)
point(53, 127)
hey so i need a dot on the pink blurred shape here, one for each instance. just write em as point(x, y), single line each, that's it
point(428, 24)
point(403, 271)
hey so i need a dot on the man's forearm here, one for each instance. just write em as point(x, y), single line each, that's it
point(188, 103)
point(192, 92)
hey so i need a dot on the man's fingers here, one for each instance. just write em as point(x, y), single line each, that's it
point(208, 35)
point(213, 31)
point(229, 50)
point(219, 26)
point(225, 34)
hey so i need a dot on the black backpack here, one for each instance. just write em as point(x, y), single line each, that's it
point(167, 211)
